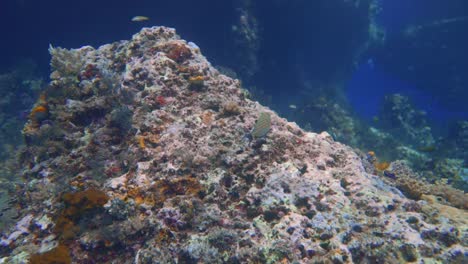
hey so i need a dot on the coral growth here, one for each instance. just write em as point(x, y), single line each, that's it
point(79, 202)
point(58, 255)
point(76, 206)
point(178, 52)
point(416, 187)
point(381, 166)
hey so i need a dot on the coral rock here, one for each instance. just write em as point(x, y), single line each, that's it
point(201, 191)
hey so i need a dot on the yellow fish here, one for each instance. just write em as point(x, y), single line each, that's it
point(140, 18)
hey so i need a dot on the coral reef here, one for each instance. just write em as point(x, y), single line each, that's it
point(409, 125)
point(458, 140)
point(415, 186)
point(129, 178)
point(399, 132)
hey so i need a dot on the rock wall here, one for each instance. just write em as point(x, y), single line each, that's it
point(143, 154)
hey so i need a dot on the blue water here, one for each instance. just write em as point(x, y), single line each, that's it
point(369, 85)
point(28, 27)
point(286, 60)
point(370, 82)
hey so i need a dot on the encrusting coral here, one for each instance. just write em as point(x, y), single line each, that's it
point(183, 180)
point(58, 255)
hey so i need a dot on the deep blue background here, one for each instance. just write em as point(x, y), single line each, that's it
point(371, 81)
point(28, 27)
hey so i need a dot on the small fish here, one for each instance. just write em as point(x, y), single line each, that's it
point(370, 156)
point(427, 149)
point(292, 106)
point(140, 18)
point(390, 175)
point(262, 126)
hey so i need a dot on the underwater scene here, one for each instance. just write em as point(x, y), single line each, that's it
point(234, 131)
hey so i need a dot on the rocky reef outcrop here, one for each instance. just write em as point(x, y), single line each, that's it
point(143, 153)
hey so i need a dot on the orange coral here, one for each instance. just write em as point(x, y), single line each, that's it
point(381, 166)
point(181, 186)
point(76, 204)
point(196, 80)
point(207, 117)
point(85, 200)
point(139, 200)
point(58, 255)
point(141, 142)
point(165, 189)
point(139, 196)
point(65, 228)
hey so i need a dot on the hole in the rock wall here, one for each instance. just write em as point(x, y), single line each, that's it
point(85, 118)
